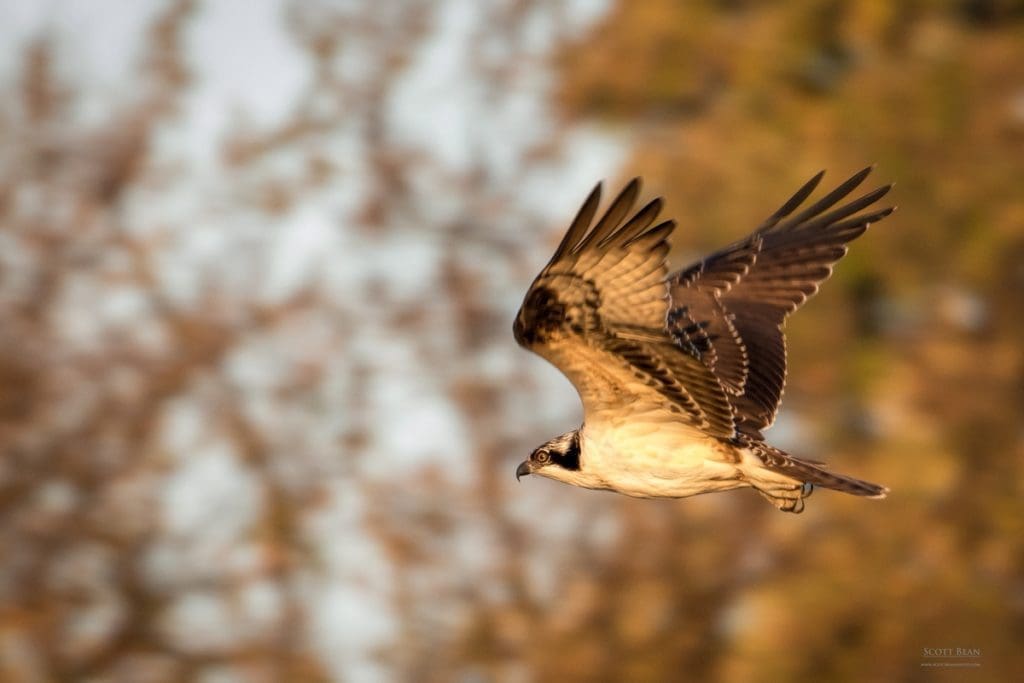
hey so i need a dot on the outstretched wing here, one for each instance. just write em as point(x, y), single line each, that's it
point(734, 302)
point(597, 312)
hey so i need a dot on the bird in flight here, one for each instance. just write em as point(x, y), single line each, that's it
point(680, 373)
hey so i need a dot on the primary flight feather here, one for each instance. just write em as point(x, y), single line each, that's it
point(680, 373)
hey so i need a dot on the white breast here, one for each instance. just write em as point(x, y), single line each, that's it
point(656, 456)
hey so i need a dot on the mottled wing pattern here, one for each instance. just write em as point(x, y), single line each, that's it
point(734, 302)
point(597, 312)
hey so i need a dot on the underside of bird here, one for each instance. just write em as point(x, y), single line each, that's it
point(680, 373)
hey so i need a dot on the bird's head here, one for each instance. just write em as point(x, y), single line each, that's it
point(558, 459)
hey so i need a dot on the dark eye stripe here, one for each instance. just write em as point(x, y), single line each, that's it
point(570, 459)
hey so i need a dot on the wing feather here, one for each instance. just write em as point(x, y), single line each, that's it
point(827, 201)
point(637, 224)
point(745, 292)
point(612, 218)
point(597, 311)
point(578, 228)
point(793, 202)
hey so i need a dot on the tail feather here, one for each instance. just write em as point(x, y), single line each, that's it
point(812, 473)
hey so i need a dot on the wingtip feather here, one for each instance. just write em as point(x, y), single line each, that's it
point(584, 217)
point(655, 235)
point(635, 226)
point(613, 216)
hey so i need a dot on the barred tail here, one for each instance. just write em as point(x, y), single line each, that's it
point(814, 473)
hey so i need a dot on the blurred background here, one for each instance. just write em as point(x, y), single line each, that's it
point(260, 405)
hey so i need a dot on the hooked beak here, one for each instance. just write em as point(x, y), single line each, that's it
point(523, 469)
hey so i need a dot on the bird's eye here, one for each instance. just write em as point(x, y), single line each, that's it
point(542, 456)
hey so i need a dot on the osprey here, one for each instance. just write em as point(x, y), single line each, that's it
point(680, 373)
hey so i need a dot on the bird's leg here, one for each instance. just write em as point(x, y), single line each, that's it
point(787, 498)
